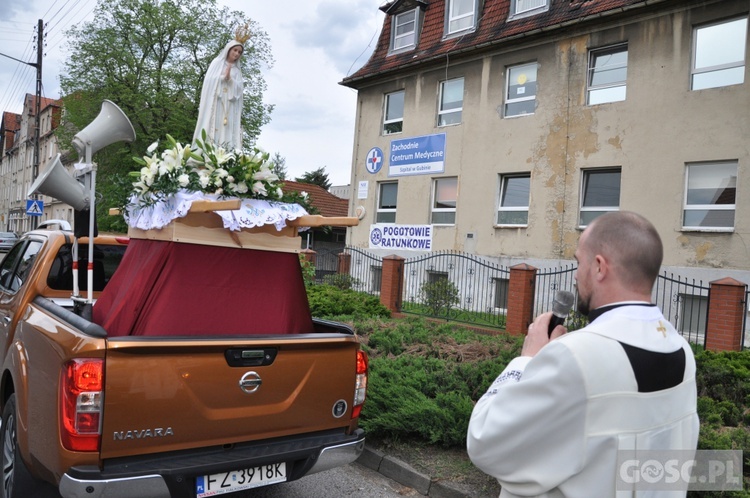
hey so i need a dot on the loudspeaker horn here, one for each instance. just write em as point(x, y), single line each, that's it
point(110, 126)
point(58, 184)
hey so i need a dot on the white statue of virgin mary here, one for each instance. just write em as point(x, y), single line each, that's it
point(220, 110)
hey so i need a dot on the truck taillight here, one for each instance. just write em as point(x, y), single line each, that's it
point(360, 386)
point(81, 396)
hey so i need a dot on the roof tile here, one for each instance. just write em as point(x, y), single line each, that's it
point(493, 28)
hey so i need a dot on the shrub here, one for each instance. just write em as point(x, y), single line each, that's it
point(425, 377)
point(341, 281)
point(439, 296)
point(308, 271)
point(330, 302)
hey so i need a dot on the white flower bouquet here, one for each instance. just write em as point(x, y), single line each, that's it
point(207, 169)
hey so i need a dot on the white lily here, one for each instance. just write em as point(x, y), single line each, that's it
point(259, 188)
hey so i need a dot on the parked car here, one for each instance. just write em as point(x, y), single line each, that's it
point(54, 225)
point(7, 239)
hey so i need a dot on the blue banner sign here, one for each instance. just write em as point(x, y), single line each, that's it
point(407, 237)
point(417, 156)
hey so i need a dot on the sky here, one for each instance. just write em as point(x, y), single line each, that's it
point(315, 44)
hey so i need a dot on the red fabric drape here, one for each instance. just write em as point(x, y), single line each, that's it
point(173, 289)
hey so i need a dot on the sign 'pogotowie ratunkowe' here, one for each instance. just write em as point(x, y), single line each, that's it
point(406, 237)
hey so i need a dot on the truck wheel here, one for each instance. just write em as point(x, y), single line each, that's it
point(17, 482)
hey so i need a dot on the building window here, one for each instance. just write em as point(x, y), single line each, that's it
point(451, 102)
point(719, 54)
point(501, 294)
point(393, 115)
point(444, 195)
point(527, 7)
point(404, 31)
point(461, 15)
point(600, 193)
point(520, 94)
point(387, 197)
point(513, 208)
point(376, 280)
point(608, 71)
point(693, 316)
point(710, 195)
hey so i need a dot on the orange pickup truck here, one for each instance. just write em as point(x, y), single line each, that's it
point(199, 373)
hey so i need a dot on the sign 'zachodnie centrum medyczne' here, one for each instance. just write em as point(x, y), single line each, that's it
point(417, 156)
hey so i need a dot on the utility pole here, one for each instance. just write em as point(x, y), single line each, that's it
point(39, 53)
point(38, 109)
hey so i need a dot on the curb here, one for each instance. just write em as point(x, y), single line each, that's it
point(403, 473)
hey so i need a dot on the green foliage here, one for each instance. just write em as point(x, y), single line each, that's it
point(341, 280)
point(327, 301)
point(318, 177)
point(279, 166)
point(308, 271)
point(425, 377)
point(576, 321)
point(439, 296)
point(724, 376)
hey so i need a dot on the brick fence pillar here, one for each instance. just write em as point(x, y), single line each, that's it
point(344, 263)
point(726, 311)
point(521, 288)
point(308, 255)
point(392, 283)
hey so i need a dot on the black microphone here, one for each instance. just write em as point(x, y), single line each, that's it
point(561, 306)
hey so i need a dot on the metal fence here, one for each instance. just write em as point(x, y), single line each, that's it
point(467, 288)
point(326, 263)
point(548, 282)
point(456, 286)
point(684, 303)
point(366, 270)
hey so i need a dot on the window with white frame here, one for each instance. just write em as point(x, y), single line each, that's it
point(393, 114)
point(710, 194)
point(404, 30)
point(444, 195)
point(528, 7)
point(608, 71)
point(719, 54)
point(513, 206)
point(600, 193)
point(387, 200)
point(520, 90)
point(461, 15)
point(451, 102)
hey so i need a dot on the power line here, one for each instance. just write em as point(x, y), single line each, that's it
point(65, 14)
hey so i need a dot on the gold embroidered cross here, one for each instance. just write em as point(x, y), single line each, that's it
point(661, 328)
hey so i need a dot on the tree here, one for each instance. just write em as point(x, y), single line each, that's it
point(279, 166)
point(150, 58)
point(318, 177)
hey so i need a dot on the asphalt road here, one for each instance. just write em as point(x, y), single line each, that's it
point(352, 480)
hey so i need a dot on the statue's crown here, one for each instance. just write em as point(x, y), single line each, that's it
point(242, 33)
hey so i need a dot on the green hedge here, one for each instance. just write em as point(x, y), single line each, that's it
point(327, 301)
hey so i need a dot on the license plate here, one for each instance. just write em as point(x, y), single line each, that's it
point(237, 480)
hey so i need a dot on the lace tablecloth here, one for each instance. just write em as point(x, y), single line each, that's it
point(252, 213)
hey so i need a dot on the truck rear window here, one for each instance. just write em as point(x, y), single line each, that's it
point(106, 260)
